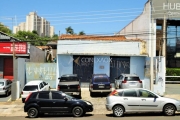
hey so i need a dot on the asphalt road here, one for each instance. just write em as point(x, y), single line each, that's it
point(149, 116)
point(4, 98)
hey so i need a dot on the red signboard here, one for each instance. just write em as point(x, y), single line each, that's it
point(19, 47)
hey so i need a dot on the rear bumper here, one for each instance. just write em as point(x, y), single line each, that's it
point(108, 107)
point(101, 91)
point(73, 93)
point(2, 92)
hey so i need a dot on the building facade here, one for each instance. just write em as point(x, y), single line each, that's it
point(94, 55)
point(37, 23)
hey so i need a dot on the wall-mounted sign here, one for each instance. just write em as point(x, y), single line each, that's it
point(19, 47)
point(169, 8)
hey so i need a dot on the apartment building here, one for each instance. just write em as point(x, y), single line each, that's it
point(35, 22)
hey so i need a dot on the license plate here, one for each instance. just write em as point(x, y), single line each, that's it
point(132, 83)
point(75, 93)
point(101, 86)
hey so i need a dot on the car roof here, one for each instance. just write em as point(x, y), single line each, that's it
point(34, 82)
point(69, 75)
point(130, 75)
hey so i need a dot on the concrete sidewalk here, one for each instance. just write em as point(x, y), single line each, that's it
point(15, 108)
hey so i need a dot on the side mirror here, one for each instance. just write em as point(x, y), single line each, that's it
point(65, 98)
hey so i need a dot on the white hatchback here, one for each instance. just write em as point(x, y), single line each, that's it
point(33, 86)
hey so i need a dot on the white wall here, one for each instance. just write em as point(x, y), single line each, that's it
point(143, 28)
point(102, 65)
point(79, 47)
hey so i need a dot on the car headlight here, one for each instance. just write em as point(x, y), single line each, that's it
point(88, 103)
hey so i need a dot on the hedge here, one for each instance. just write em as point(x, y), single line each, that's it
point(172, 72)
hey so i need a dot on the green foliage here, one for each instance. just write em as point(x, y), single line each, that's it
point(69, 30)
point(81, 33)
point(33, 38)
point(172, 72)
point(4, 29)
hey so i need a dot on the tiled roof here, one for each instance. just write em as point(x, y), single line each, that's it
point(91, 37)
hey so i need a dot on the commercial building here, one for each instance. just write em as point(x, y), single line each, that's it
point(111, 55)
point(37, 23)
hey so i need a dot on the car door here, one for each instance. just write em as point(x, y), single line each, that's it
point(149, 101)
point(131, 100)
point(44, 102)
point(59, 104)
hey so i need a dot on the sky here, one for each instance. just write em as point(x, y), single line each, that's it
point(94, 17)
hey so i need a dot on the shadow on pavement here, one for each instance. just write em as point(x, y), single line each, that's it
point(95, 95)
point(59, 115)
point(142, 115)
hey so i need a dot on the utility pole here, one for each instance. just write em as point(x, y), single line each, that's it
point(164, 38)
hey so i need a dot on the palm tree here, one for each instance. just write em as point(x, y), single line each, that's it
point(82, 33)
point(69, 30)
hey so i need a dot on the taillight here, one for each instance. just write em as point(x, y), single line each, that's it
point(110, 86)
point(28, 97)
point(114, 92)
point(22, 92)
point(79, 88)
point(124, 81)
point(58, 87)
point(140, 81)
point(91, 86)
point(3, 88)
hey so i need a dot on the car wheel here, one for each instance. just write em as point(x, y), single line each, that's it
point(169, 110)
point(77, 111)
point(32, 112)
point(118, 111)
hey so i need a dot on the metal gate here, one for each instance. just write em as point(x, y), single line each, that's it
point(83, 67)
point(8, 68)
point(118, 66)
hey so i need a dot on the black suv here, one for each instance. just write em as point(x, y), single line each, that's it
point(99, 83)
point(70, 84)
point(55, 102)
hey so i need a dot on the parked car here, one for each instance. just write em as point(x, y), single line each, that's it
point(70, 84)
point(122, 101)
point(128, 81)
point(99, 83)
point(5, 87)
point(33, 86)
point(55, 102)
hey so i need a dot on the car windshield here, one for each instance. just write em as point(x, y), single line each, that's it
point(31, 88)
point(101, 79)
point(68, 79)
point(1, 83)
point(131, 78)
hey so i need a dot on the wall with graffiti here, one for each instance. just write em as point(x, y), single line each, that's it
point(41, 71)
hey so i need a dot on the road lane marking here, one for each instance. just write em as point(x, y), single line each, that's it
point(9, 99)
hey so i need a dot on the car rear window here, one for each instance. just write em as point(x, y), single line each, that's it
point(68, 79)
point(101, 79)
point(1, 83)
point(131, 78)
point(30, 88)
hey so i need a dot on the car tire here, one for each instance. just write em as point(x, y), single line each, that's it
point(7, 94)
point(118, 111)
point(32, 112)
point(77, 111)
point(169, 110)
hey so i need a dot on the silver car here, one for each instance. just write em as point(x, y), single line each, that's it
point(122, 101)
point(5, 87)
point(128, 81)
